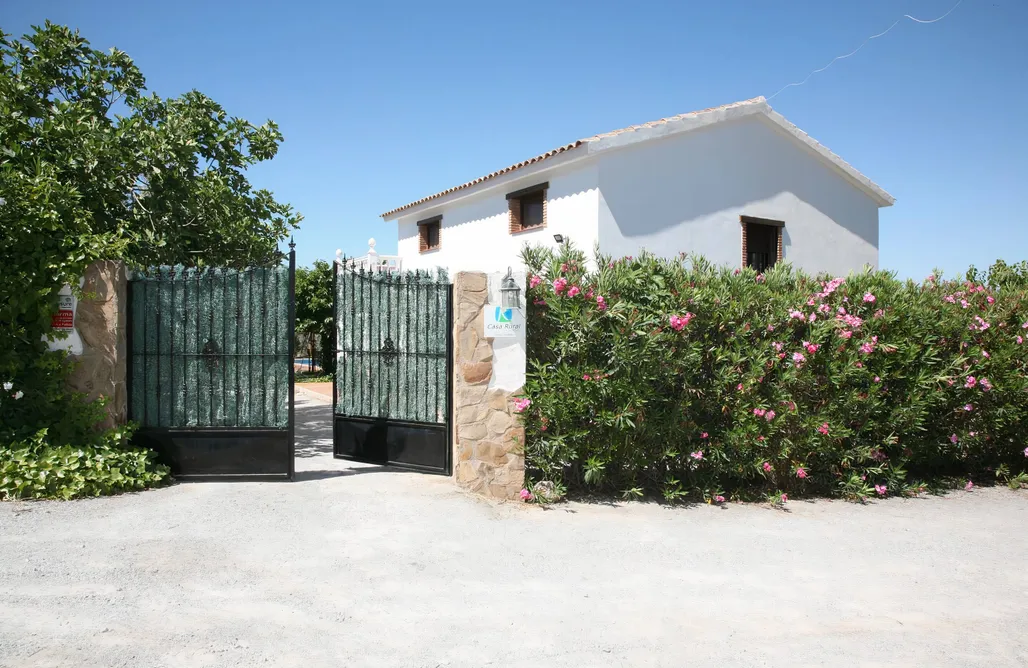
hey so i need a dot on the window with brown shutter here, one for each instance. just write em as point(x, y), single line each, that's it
point(428, 233)
point(761, 242)
point(527, 208)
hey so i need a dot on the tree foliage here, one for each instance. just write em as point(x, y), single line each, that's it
point(94, 167)
point(314, 316)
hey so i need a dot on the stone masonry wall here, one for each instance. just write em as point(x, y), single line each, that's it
point(101, 320)
point(488, 438)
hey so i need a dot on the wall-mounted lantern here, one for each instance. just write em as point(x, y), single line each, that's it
point(510, 293)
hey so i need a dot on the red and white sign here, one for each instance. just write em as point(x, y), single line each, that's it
point(64, 319)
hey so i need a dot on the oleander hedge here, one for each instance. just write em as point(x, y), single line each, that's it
point(689, 381)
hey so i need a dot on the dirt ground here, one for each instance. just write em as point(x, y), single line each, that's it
point(364, 566)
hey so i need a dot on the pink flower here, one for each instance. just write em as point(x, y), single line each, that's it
point(736, 272)
point(968, 407)
point(878, 455)
point(867, 348)
point(970, 382)
point(823, 428)
point(573, 291)
point(781, 356)
point(869, 298)
point(851, 320)
point(824, 308)
point(600, 303)
point(963, 303)
point(951, 299)
point(770, 416)
point(526, 495)
point(785, 497)
point(521, 404)
point(1025, 325)
point(813, 317)
point(811, 347)
point(586, 377)
point(1020, 340)
point(771, 328)
point(881, 490)
point(704, 435)
point(678, 322)
point(767, 466)
point(539, 302)
point(879, 313)
point(759, 278)
point(564, 267)
point(759, 412)
point(981, 325)
point(534, 281)
point(986, 385)
point(719, 499)
point(953, 439)
point(969, 486)
point(589, 293)
point(760, 438)
point(798, 358)
point(985, 354)
point(990, 299)
point(859, 365)
point(610, 265)
point(777, 345)
point(698, 455)
point(845, 333)
point(559, 285)
point(798, 315)
point(1026, 452)
point(801, 473)
point(739, 387)
point(877, 379)
point(811, 302)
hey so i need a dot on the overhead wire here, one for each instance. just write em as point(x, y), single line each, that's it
point(864, 43)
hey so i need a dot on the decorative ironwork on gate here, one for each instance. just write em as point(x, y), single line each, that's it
point(211, 372)
point(393, 361)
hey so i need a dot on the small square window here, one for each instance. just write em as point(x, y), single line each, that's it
point(429, 234)
point(532, 210)
point(527, 208)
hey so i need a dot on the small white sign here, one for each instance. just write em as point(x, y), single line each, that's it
point(503, 323)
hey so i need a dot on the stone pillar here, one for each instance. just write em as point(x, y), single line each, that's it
point(488, 437)
point(101, 319)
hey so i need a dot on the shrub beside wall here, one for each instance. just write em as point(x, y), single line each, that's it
point(693, 381)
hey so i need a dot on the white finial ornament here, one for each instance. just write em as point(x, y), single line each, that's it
point(339, 255)
point(371, 243)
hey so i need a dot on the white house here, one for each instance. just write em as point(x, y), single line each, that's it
point(738, 184)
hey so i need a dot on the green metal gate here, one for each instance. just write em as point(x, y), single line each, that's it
point(211, 369)
point(393, 388)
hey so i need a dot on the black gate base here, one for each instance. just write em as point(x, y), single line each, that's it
point(407, 445)
point(222, 454)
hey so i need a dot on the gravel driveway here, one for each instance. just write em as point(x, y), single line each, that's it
point(358, 565)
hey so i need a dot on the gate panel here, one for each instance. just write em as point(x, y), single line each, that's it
point(211, 373)
point(393, 361)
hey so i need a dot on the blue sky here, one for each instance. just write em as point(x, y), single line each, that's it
point(384, 102)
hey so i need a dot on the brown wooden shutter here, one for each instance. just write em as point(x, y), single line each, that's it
point(514, 220)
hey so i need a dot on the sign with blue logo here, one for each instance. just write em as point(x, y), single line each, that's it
point(503, 322)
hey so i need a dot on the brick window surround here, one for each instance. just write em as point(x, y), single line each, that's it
point(527, 208)
point(761, 242)
point(430, 234)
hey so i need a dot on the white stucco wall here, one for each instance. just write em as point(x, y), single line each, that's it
point(685, 194)
point(475, 235)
